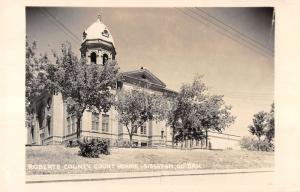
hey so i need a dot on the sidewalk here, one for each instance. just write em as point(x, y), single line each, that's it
point(133, 175)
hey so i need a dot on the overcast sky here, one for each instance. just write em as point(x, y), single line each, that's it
point(231, 47)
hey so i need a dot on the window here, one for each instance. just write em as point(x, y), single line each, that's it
point(73, 124)
point(105, 33)
point(143, 129)
point(119, 85)
point(143, 144)
point(49, 103)
point(69, 125)
point(49, 126)
point(95, 121)
point(105, 58)
point(135, 143)
point(105, 121)
point(32, 134)
point(134, 131)
point(84, 35)
point(41, 116)
point(162, 135)
point(93, 58)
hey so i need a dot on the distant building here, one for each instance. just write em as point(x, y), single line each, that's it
point(53, 125)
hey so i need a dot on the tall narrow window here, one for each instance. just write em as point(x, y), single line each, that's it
point(41, 116)
point(143, 129)
point(49, 126)
point(135, 128)
point(73, 124)
point(93, 58)
point(105, 121)
point(95, 121)
point(105, 58)
point(119, 85)
point(49, 103)
point(32, 134)
point(69, 124)
point(162, 135)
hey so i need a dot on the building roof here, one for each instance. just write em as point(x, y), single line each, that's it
point(146, 75)
point(98, 30)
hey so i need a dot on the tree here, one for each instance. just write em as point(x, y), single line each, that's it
point(259, 124)
point(263, 126)
point(35, 76)
point(196, 112)
point(270, 131)
point(179, 117)
point(83, 86)
point(212, 114)
point(136, 107)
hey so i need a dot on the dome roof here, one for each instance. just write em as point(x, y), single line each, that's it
point(98, 31)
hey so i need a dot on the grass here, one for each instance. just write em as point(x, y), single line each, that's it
point(58, 159)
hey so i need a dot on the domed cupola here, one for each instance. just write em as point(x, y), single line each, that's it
point(97, 44)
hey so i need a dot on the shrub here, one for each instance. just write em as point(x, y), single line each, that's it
point(94, 147)
point(266, 146)
point(251, 143)
point(248, 143)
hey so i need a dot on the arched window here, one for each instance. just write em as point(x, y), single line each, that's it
point(93, 58)
point(105, 58)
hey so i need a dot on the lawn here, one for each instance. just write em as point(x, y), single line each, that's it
point(58, 159)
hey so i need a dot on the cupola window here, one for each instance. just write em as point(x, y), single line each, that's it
point(93, 58)
point(105, 58)
point(105, 33)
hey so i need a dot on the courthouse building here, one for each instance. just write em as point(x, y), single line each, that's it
point(53, 125)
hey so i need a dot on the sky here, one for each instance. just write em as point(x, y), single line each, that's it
point(232, 47)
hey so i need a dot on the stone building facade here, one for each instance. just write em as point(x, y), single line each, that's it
point(51, 124)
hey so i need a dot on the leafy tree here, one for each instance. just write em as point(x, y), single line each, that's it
point(35, 76)
point(179, 117)
point(270, 131)
point(83, 86)
point(197, 112)
point(263, 126)
point(212, 114)
point(136, 107)
point(259, 124)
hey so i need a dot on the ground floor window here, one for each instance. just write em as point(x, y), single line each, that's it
point(105, 122)
point(71, 124)
point(135, 143)
point(95, 121)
